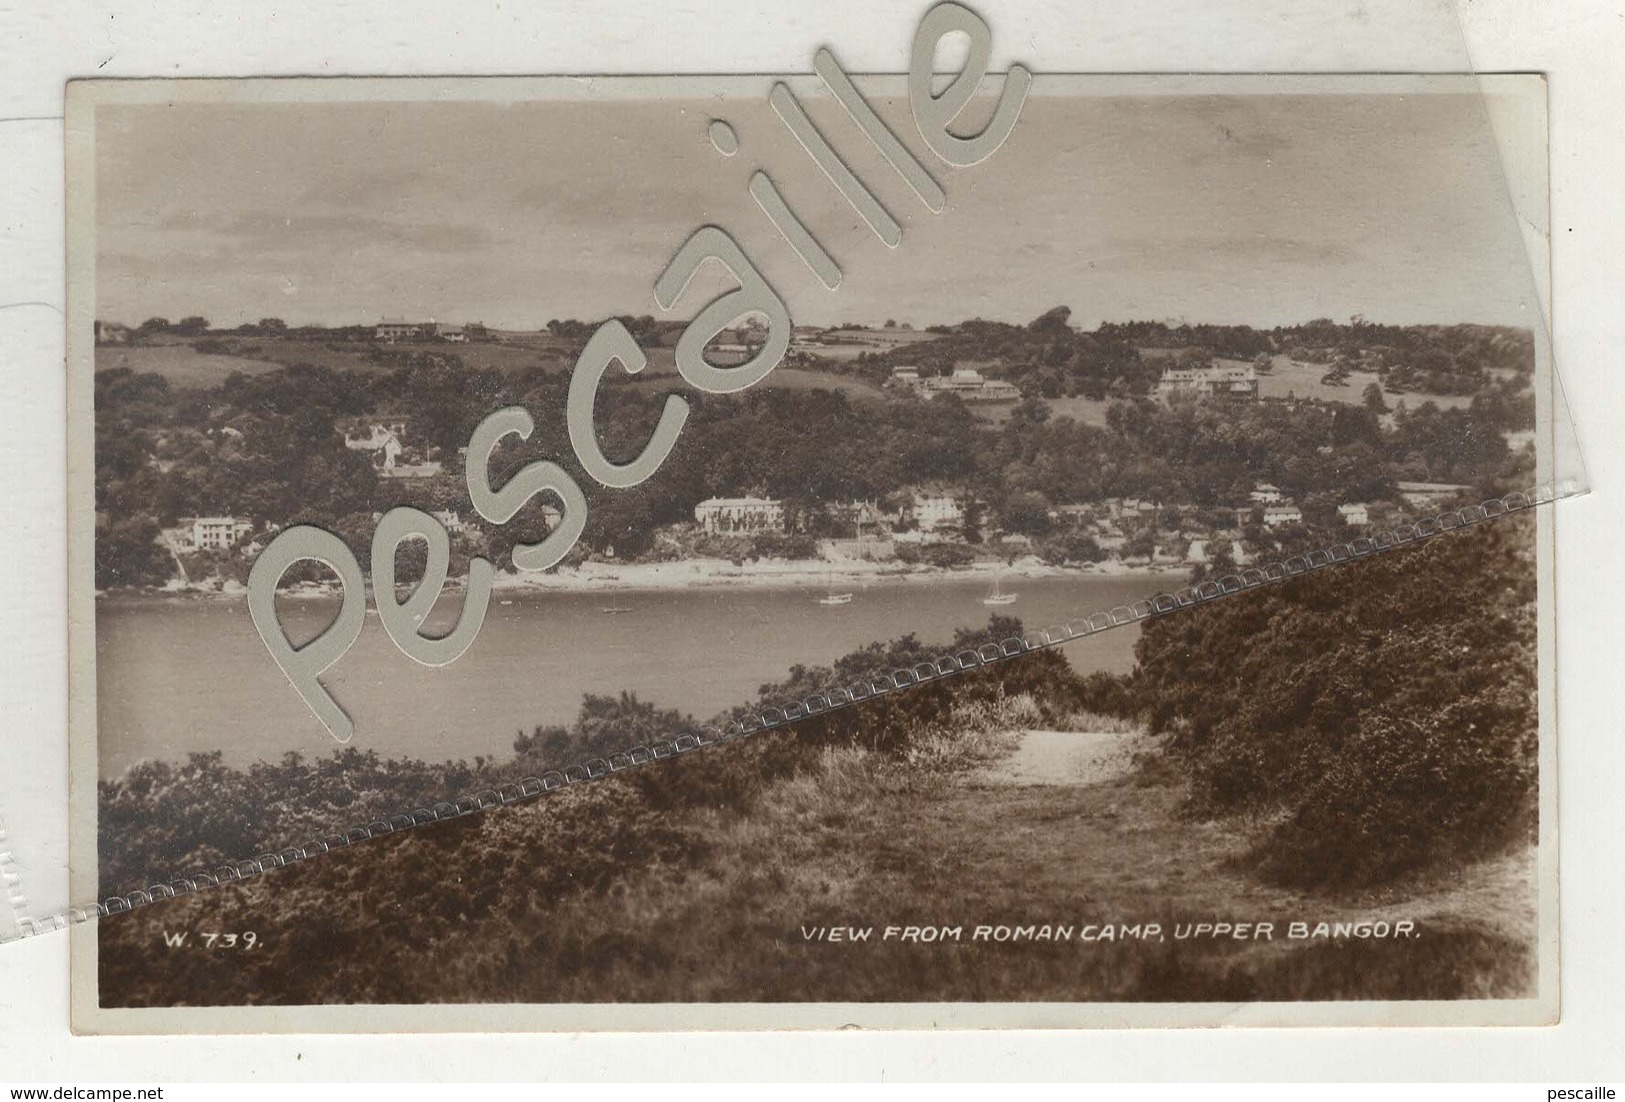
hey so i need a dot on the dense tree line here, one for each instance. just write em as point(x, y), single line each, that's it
point(269, 447)
point(1050, 359)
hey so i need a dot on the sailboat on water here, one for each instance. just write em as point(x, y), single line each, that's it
point(833, 598)
point(998, 596)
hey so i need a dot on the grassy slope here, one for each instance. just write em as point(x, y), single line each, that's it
point(859, 842)
point(970, 854)
point(184, 366)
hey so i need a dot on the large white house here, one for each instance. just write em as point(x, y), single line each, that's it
point(397, 329)
point(730, 516)
point(1210, 382)
point(219, 533)
point(937, 512)
point(970, 384)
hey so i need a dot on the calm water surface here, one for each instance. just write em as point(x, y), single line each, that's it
point(185, 674)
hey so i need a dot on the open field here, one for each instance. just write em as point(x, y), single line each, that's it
point(1083, 410)
point(1293, 379)
point(184, 366)
point(181, 364)
point(848, 344)
point(662, 370)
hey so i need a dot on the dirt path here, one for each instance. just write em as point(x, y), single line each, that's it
point(1069, 758)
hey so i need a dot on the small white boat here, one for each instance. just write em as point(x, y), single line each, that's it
point(998, 596)
point(614, 610)
point(833, 598)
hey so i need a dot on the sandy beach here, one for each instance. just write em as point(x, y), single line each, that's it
point(797, 574)
point(762, 574)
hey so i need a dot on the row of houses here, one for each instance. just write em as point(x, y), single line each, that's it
point(939, 513)
point(390, 330)
point(752, 516)
point(1267, 500)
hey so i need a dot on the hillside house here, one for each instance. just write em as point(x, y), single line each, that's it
point(1356, 513)
point(733, 516)
point(1210, 382)
point(449, 520)
point(390, 330)
point(864, 517)
point(1276, 515)
point(970, 385)
point(367, 434)
point(937, 512)
point(218, 533)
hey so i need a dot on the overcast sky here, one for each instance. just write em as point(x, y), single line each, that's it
point(1257, 209)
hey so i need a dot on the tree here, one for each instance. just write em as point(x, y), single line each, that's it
point(972, 529)
point(1072, 547)
point(1053, 320)
point(1263, 364)
point(129, 554)
point(1027, 514)
point(272, 325)
point(1372, 397)
point(1141, 545)
point(193, 325)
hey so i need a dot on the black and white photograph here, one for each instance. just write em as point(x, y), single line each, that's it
point(701, 552)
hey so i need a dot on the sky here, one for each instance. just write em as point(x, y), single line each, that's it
point(1245, 209)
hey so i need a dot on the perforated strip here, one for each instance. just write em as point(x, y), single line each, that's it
point(13, 902)
point(776, 716)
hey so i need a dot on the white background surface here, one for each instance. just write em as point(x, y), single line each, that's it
point(1579, 43)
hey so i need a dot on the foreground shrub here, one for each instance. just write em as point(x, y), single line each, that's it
point(1381, 714)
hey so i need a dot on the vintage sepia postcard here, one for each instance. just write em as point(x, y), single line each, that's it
point(738, 552)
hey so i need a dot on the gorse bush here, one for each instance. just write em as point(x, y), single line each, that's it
point(1382, 714)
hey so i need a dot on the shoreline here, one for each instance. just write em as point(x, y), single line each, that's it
point(704, 574)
